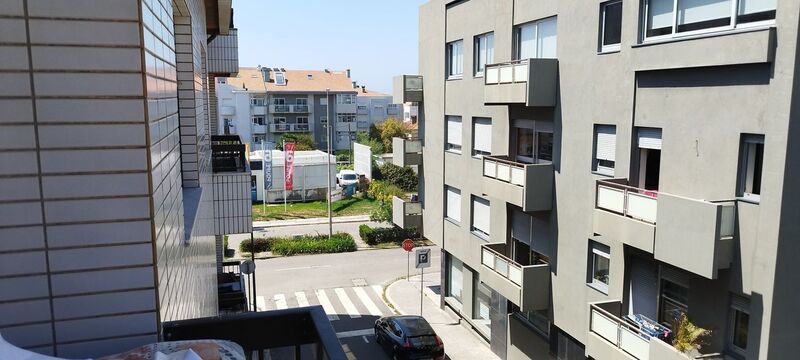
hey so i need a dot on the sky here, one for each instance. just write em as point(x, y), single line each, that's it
point(376, 39)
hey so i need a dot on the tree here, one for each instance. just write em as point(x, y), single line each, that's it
point(389, 129)
point(302, 142)
point(363, 138)
point(689, 336)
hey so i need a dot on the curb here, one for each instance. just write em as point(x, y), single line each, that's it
point(390, 303)
point(313, 221)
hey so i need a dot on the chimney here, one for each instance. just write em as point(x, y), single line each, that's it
point(348, 73)
point(363, 89)
point(355, 84)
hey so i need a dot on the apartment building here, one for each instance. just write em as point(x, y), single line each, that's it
point(592, 171)
point(262, 104)
point(106, 170)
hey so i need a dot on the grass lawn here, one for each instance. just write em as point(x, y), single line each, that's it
point(345, 207)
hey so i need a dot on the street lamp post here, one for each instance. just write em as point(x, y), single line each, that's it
point(328, 176)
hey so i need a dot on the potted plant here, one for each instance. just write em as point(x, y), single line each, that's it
point(689, 338)
point(225, 250)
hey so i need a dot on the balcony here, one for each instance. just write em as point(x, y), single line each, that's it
point(528, 286)
point(533, 82)
point(302, 127)
point(346, 108)
point(529, 186)
point(407, 88)
point(346, 126)
point(231, 186)
point(279, 109)
point(259, 110)
point(223, 54)
point(300, 109)
point(227, 110)
point(306, 330)
point(694, 235)
point(406, 152)
point(407, 213)
point(362, 110)
point(259, 129)
point(281, 128)
point(393, 109)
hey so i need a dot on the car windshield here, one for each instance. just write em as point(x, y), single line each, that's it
point(415, 326)
point(349, 176)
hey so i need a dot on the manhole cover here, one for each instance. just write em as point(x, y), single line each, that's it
point(359, 282)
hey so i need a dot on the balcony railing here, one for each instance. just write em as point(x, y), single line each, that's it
point(259, 109)
point(406, 152)
point(492, 257)
point(300, 108)
point(280, 108)
point(407, 88)
point(619, 333)
point(301, 127)
point(532, 82)
point(528, 186)
point(277, 128)
point(228, 154)
point(258, 129)
point(407, 212)
point(307, 330)
point(628, 201)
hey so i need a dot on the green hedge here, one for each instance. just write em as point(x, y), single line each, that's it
point(374, 236)
point(261, 245)
point(403, 177)
point(317, 244)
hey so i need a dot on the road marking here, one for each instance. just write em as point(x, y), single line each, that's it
point(280, 301)
point(378, 290)
point(301, 298)
point(362, 295)
point(355, 333)
point(326, 304)
point(365, 339)
point(304, 267)
point(261, 303)
point(348, 305)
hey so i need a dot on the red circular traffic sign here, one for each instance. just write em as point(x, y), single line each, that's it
point(408, 244)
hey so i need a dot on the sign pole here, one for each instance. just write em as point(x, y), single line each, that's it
point(421, 288)
point(264, 177)
point(285, 208)
point(408, 266)
point(253, 259)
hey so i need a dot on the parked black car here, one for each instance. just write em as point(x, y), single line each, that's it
point(408, 337)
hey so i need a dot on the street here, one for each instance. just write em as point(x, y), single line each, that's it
point(347, 285)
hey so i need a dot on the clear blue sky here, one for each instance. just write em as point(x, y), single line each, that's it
point(376, 39)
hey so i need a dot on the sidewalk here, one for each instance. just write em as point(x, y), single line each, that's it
point(311, 221)
point(459, 341)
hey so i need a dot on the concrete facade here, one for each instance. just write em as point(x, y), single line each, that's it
point(706, 93)
point(105, 172)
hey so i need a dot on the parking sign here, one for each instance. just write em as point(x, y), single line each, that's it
point(423, 258)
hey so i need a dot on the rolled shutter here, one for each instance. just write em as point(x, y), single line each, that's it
point(482, 133)
point(480, 214)
point(606, 142)
point(454, 130)
point(649, 138)
point(454, 204)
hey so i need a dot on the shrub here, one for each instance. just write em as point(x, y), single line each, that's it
point(261, 245)
point(364, 230)
point(689, 336)
point(403, 177)
point(302, 141)
point(317, 244)
point(382, 191)
point(388, 235)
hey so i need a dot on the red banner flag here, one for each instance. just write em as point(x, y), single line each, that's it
point(288, 167)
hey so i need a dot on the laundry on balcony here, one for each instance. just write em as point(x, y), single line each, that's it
point(649, 327)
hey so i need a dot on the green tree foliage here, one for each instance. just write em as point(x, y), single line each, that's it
point(689, 336)
point(403, 177)
point(303, 142)
point(383, 192)
point(389, 129)
point(364, 138)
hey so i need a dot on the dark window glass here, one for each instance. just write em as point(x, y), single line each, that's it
point(612, 23)
point(741, 322)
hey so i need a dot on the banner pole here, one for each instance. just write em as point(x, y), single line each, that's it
point(264, 176)
point(285, 172)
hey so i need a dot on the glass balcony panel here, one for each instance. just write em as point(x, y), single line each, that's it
point(521, 72)
point(506, 74)
point(487, 258)
point(503, 172)
point(518, 176)
point(489, 168)
point(611, 199)
point(631, 342)
point(642, 207)
point(501, 266)
point(604, 326)
point(515, 275)
point(492, 75)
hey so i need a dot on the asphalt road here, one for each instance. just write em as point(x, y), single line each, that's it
point(348, 285)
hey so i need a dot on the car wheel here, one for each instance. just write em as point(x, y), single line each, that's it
point(394, 355)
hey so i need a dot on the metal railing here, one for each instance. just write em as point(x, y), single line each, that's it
point(493, 257)
point(300, 108)
point(281, 108)
point(280, 127)
point(301, 127)
point(624, 336)
point(628, 201)
point(228, 154)
point(505, 170)
point(507, 72)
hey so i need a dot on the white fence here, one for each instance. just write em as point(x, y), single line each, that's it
point(619, 333)
point(627, 200)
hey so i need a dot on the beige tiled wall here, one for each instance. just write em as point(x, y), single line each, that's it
point(94, 251)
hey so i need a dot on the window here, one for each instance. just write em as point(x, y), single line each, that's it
point(453, 134)
point(751, 163)
point(739, 324)
point(455, 278)
point(345, 118)
point(257, 101)
point(533, 141)
point(302, 120)
point(600, 262)
point(482, 302)
point(455, 59)
point(279, 120)
point(605, 149)
point(345, 99)
point(258, 120)
point(480, 217)
point(694, 16)
point(453, 206)
point(301, 101)
point(536, 39)
point(674, 299)
point(610, 25)
point(481, 136)
point(484, 52)
point(280, 78)
point(323, 101)
point(278, 101)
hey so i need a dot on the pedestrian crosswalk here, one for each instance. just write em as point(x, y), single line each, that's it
point(352, 302)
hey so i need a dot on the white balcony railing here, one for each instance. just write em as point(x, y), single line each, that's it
point(504, 170)
point(624, 336)
point(280, 108)
point(276, 128)
point(502, 265)
point(300, 108)
point(507, 72)
point(259, 110)
point(627, 200)
point(301, 127)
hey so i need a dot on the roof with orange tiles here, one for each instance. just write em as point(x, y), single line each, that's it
point(296, 81)
point(364, 91)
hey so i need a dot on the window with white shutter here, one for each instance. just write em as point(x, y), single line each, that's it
point(453, 134)
point(481, 136)
point(453, 206)
point(605, 148)
point(649, 138)
point(480, 216)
